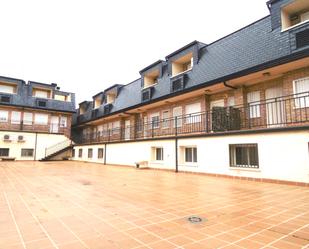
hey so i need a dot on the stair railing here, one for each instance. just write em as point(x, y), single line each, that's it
point(57, 147)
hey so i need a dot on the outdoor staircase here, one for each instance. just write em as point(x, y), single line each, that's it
point(53, 151)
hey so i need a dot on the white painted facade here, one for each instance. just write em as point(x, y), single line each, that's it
point(31, 140)
point(282, 155)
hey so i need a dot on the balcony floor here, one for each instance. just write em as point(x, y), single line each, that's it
point(83, 205)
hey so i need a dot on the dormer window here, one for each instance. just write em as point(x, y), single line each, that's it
point(110, 98)
point(151, 78)
point(41, 93)
point(62, 97)
point(295, 14)
point(8, 88)
point(81, 110)
point(182, 64)
point(97, 102)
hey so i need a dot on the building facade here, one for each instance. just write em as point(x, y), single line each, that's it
point(35, 119)
point(236, 107)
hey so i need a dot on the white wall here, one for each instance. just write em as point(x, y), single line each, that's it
point(282, 155)
point(43, 141)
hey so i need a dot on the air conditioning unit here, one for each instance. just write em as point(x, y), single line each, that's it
point(20, 139)
point(6, 138)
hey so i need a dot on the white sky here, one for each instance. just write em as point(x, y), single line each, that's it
point(87, 46)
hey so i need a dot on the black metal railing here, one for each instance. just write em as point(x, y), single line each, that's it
point(286, 111)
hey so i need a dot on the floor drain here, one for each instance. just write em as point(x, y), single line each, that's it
point(195, 219)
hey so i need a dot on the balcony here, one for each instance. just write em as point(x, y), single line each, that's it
point(34, 127)
point(282, 112)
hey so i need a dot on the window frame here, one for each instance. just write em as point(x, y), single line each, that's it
point(22, 154)
point(5, 117)
point(99, 153)
point(7, 150)
point(193, 152)
point(80, 153)
point(233, 156)
point(159, 157)
point(90, 153)
point(301, 102)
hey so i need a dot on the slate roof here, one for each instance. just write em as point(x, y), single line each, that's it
point(24, 98)
point(252, 48)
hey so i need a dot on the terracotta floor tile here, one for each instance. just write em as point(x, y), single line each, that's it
point(80, 205)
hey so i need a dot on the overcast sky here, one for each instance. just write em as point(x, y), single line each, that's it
point(86, 46)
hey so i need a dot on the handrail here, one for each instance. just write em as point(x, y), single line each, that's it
point(57, 147)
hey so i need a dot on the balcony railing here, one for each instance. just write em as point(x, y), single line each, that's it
point(17, 125)
point(286, 111)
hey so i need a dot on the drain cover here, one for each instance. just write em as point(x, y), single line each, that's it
point(195, 219)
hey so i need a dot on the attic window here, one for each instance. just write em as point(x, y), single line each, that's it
point(41, 93)
point(295, 14)
point(182, 64)
point(97, 102)
point(151, 78)
point(110, 98)
point(81, 110)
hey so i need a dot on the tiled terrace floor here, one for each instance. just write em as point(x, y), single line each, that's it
point(82, 205)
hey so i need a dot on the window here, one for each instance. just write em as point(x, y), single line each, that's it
point(295, 13)
point(28, 118)
point(253, 99)
point(27, 152)
point(155, 120)
point(4, 116)
point(90, 152)
point(41, 93)
point(60, 97)
point(301, 91)
point(7, 88)
point(116, 127)
point(165, 117)
point(151, 78)
point(80, 153)
point(15, 117)
point(244, 155)
point(4, 152)
point(182, 64)
point(190, 154)
point(100, 153)
point(73, 153)
point(63, 121)
point(159, 154)
point(193, 114)
point(231, 101)
point(177, 112)
point(41, 119)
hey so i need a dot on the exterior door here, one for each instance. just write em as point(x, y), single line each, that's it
point(275, 108)
point(54, 124)
point(127, 130)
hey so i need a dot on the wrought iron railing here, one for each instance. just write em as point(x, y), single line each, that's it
point(23, 125)
point(286, 111)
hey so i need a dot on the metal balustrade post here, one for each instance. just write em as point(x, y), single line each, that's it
point(152, 129)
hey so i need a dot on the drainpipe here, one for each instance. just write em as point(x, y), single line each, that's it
point(176, 146)
point(35, 145)
point(105, 154)
point(229, 86)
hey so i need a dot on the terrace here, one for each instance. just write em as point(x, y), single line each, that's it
point(71, 205)
point(281, 112)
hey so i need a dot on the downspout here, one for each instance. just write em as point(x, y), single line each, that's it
point(35, 145)
point(229, 86)
point(105, 154)
point(176, 145)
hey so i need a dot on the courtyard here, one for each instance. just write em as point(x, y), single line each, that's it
point(72, 205)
